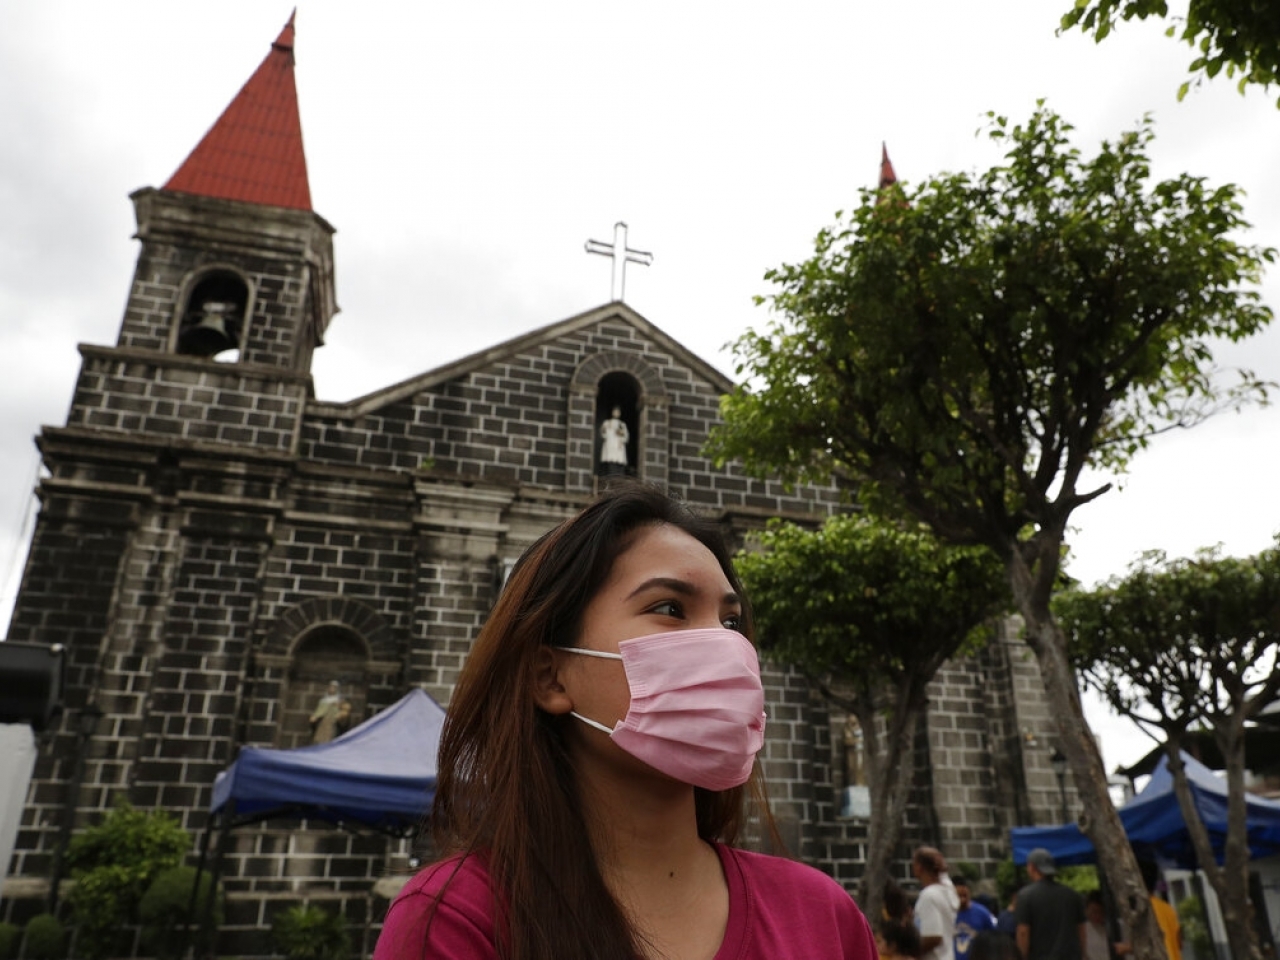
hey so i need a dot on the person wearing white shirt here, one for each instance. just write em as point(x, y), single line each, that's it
point(936, 906)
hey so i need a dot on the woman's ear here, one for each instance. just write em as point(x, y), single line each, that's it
point(549, 693)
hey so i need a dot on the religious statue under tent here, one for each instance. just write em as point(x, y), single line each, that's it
point(332, 716)
point(613, 444)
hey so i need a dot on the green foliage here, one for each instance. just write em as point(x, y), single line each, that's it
point(1179, 641)
point(965, 350)
point(1081, 879)
point(46, 938)
point(163, 913)
point(1195, 927)
point(871, 610)
point(1236, 36)
point(10, 937)
point(310, 933)
point(113, 863)
point(866, 600)
point(1009, 880)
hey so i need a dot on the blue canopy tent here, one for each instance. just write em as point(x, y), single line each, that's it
point(1153, 822)
point(381, 774)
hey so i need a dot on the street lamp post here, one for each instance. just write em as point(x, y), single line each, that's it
point(1059, 763)
point(86, 723)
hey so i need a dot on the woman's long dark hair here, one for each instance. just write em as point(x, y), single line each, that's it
point(506, 790)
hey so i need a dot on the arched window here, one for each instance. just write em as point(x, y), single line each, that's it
point(213, 320)
point(618, 425)
point(327, 681)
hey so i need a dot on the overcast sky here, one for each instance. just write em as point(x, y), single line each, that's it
point(465, 152)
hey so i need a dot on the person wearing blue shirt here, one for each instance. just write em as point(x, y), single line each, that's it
point(971, 919)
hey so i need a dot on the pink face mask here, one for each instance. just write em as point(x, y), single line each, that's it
point(697, 705)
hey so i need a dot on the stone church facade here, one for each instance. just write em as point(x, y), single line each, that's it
point(215, 545)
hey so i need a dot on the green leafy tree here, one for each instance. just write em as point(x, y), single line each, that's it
point(113, 863)
point(1184, 643)
point(870, 610)
point(1236, 36)
point(967, 349)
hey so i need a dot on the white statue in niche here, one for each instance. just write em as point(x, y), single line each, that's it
point(329, 719)
point(856, 796)
point(613, 443)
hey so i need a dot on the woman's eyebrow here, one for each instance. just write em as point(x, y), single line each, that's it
point(682, 587)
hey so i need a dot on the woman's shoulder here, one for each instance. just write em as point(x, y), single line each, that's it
point(765, 872)
point(447, 905)
point(783, 909)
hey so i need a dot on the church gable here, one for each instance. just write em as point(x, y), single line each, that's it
point(530, 413)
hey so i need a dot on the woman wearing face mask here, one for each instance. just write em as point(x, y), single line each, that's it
point(595, 765)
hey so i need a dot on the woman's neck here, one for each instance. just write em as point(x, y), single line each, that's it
point(639, 831)
point(660, 872)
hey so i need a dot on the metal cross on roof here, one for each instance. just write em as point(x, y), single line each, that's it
point(620, 253)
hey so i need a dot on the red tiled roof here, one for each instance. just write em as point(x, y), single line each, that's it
point(887, 176)
point(253, 152)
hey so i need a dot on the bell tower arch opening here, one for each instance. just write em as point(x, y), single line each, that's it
point(213, 318)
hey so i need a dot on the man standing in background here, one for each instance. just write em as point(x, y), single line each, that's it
point(1050, 916)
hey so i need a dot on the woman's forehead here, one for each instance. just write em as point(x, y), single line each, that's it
point(662, 550)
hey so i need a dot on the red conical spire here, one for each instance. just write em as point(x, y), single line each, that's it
point(887, 176)
point(253, 152)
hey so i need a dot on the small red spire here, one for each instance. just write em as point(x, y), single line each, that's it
point(285, 40)
point(253, 152)
point(887, 176)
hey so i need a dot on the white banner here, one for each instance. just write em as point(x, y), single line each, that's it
point(17, 760)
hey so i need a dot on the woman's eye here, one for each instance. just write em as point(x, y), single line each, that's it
point(732, 622)
point(667, 608)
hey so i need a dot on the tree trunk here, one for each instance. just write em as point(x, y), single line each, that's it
point(1100, 822)
point(890, 771)
point(1230, 882)
point(1196, 830)
point(1237, 911)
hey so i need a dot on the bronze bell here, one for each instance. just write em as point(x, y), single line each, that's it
point(205, 334)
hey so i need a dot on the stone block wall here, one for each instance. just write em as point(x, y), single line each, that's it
point(174, 399)
point(960, 761)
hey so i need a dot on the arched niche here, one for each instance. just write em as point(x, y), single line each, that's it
point(618, 433)
point(329, 662)
point(604, 381)
point(214, 315)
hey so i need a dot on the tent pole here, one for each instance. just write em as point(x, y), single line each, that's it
point(187, 920)
point(215, 874)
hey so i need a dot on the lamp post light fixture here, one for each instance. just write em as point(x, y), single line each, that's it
point(1059, 763)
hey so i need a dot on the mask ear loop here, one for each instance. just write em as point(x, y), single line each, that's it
point(591, 723)
point(603, 656)
point(592, 653)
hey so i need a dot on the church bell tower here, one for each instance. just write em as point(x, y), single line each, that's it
point(235, 266)
point(163, 491)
